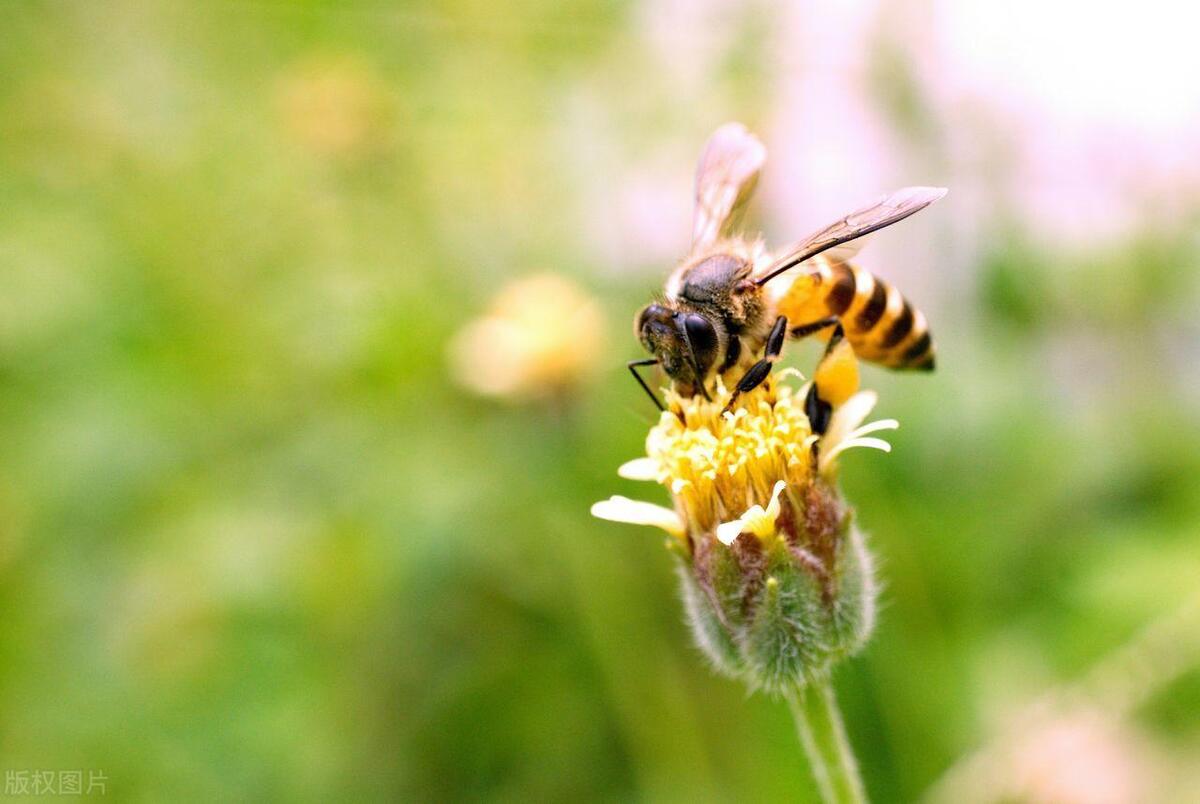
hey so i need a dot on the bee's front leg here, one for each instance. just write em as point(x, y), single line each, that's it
point(755, 375)
point(633, 366)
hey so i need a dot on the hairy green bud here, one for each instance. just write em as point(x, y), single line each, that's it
point(779, 609)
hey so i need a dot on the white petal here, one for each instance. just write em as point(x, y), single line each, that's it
point(772, 512)
point(876, 426)
point(728, 531)
point(639, 469)
point(873, 443)
point(636, 512)
point(756, 520)
point(788, 372)
point(848, 416)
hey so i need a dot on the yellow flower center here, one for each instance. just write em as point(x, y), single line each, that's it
point(719, 465)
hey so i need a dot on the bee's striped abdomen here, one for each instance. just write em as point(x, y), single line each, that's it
point(881, 325)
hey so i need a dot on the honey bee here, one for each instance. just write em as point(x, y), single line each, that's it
point(730, 305)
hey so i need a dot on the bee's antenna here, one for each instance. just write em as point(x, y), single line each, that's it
point(633, 366)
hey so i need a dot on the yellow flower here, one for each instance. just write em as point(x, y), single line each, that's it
point(723, 468)
point(777, 582)
point(541, 337)
point(335, 107)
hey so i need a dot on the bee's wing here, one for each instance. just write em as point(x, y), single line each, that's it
point(725, 178)
point(840, 234)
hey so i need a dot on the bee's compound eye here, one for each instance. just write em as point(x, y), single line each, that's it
point(639, 323)
point(702, 337)
point(650, 312)
point(649, 315)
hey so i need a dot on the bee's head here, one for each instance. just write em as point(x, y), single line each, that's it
point(685, 343)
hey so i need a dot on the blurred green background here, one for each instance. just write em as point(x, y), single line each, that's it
point(256, 543)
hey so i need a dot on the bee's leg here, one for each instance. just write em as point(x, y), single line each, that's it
point(732, 352)
point(834, 381)
point(633, 366)
point(818, 411)
point(805, 330)
point(816, 407)
point(755, 375)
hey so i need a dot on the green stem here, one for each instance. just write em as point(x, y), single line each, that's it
point(819, 724)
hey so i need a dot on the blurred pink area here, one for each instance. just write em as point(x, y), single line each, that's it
point(1099, 102)
point(1081, 758)
point(1080, 121)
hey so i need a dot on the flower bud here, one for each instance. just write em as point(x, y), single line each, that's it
point(781, 607)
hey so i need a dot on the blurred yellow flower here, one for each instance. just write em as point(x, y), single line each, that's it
point(334, 107)
point(541, 337)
